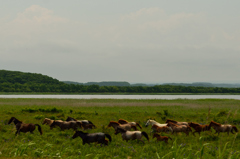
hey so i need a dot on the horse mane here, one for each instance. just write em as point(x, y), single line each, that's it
point(123, 120)
point(195, 124)
point(114, 122)
point(70, 118)
point(13, 119)
point(170, 120)
point(218, 124)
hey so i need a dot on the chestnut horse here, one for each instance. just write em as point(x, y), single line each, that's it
point(199, 128)
point(161, 138)
point(22, 127)
point(66, 125)
point(115, 124)
point(176, 122)
point(122, 121)
point(160, 129)
point(93, 137)
point(131, 135)
point(179, 128)
point(86, 124)
point(222, 128)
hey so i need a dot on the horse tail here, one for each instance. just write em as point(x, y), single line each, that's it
point(189, 128)
point(145, 134)
point(109, 137)
point(139, 125)
point(39, 128)
point(235, 128)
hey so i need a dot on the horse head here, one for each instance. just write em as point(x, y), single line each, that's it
point(119, 130)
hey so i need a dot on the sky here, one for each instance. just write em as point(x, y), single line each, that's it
point(137, 41)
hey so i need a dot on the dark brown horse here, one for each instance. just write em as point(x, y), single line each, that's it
point(223, 128)
point(122, 121)
point(22, 127)
point(93, 137)
point(199, 128)
point(161, 138)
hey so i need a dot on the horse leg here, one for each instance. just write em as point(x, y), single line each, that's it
point(194, 133)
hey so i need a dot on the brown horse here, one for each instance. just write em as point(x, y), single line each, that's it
point(86, 124)
point(160, 129)
point(67, 125)
point(199, 128)
point(176, 122)
point(122, 121)
point(161, 138)
point(48, 121)
point(22, 127)
point(131, 135)
point(93, 137)
point(222, 128)
point(115, 124)
point(179, 128)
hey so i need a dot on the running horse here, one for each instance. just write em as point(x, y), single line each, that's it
point(131, 135)
point(153, 122)
point(160, 129)
point(22, 127)
point(122, 121)
point(86, 124)
point(115, 124)
point(222, 128)
point(199, 128)
point(93, 137)
point(48, 121)
point(66, 125)
point(179, 128)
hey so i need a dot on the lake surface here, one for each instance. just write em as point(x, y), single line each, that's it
point(125, 96)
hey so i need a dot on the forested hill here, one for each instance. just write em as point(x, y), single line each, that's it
point(15, 81)
point(25, 78)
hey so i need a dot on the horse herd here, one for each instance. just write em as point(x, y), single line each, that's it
point(124, 127)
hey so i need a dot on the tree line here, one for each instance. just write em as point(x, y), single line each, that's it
point(15, 81)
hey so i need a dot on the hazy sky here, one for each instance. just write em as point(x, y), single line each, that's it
point(118, 40)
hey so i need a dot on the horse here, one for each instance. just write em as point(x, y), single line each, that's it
point(161, 138)
point(122, 121)
point(176, 122)
point(179, 128)
point(67, 125)
point(222, 128)
point(131, 135)
point(199, 128)
point(115, 124)
point(48, 121)
point(160, 129)
point(22, 127)
point(93, 137)
point(153, 122)
point(86, 124)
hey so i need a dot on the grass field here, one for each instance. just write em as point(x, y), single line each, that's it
point(58, 144)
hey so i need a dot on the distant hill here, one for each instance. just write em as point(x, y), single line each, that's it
point(23, 78)
point(104, 83)
point(204, 84)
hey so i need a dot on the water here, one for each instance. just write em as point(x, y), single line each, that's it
point(125, 96)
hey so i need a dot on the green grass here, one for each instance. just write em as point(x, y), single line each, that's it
point(58, 144)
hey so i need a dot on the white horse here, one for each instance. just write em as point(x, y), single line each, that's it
point(153, 122)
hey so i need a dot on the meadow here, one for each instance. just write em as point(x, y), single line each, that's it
point(59, 144)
